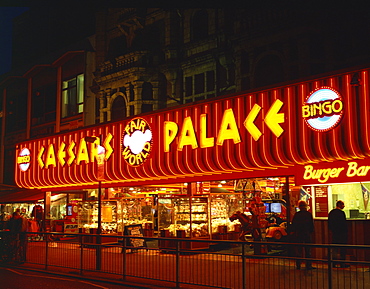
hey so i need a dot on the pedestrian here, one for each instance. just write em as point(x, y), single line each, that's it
point(18, 226)
point(302, 228)
point(38, 215)
point(337, 223)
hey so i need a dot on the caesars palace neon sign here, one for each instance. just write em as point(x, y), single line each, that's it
point(137, 139)
point(322, 111)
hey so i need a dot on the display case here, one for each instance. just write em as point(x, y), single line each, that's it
point(222, 206)
point(184, 217)
point(189, 215)
point(87, 217)
point(137, 210)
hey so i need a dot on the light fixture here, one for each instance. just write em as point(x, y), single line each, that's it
point(355, 81)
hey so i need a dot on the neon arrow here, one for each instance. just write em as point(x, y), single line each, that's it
point(249, 122)
point(273, 118)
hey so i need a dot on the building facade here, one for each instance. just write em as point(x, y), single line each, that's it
point(139, 60)
point(239, 66)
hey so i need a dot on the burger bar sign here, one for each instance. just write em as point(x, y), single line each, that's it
point(336, 172)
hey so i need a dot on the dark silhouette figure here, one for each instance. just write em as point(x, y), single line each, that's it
point(302, 229)
point(339, 231)
point(17, 226)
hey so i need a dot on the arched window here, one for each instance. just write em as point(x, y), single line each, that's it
point(147, 93)
point(269, 70)
point(118, 108)
point(199, 27)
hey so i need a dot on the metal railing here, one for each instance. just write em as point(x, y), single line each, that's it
point(194, 262)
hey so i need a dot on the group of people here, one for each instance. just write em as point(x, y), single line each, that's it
point(302, 229)
point(18, 227)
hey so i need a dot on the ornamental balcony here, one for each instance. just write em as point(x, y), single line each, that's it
point(137, 59)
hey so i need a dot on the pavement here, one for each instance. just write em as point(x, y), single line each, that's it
point(219, 268)
point(20, 278)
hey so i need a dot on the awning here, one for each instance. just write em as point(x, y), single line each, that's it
point(14, 194)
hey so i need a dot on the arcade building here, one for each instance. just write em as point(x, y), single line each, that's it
point(184, 171)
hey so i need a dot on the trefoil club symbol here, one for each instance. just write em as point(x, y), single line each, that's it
point(24, 159)
point(137, 142)
point(323, 109)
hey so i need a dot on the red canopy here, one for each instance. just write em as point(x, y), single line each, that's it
point(14, 194)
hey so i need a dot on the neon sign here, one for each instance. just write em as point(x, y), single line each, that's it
point(137, 142)
point(228, 129)
point(323, 109)
point(352, 169)
point(24, 159)
point(260, 133)
point(64, 153)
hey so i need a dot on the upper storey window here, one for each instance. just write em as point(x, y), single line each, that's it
point(73, 96)
point(200, 25)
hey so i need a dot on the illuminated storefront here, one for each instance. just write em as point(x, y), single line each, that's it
point(316, 131)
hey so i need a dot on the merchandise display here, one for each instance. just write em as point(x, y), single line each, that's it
point(185, 214)
point(87, 217)
point(222, 206)
point(198, 216)
point(136, 210)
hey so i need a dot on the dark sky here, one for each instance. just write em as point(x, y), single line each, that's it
point(6, 16)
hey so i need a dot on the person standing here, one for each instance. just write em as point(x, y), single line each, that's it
point(302, 229)
point(38, 215)
point(337, 223)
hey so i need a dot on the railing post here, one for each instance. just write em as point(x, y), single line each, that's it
point(124, 264)
point(178, 263)
point(98, 251)
point(46, 250)
point(244, 267)
point(81, 254)
point(330, 267)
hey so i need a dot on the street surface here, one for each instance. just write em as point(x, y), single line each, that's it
point(21, 279)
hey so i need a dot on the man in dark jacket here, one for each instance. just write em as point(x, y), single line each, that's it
point(339, 231)
point(302, 228)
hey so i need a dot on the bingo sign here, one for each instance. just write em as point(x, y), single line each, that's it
point(323, 109)
point(24, 159)
point(137, 142)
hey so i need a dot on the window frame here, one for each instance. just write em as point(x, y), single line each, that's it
point(79, 87)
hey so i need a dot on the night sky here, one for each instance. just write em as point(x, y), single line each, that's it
point(6, 16)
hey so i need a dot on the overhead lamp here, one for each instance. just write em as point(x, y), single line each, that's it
point(355, 81)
